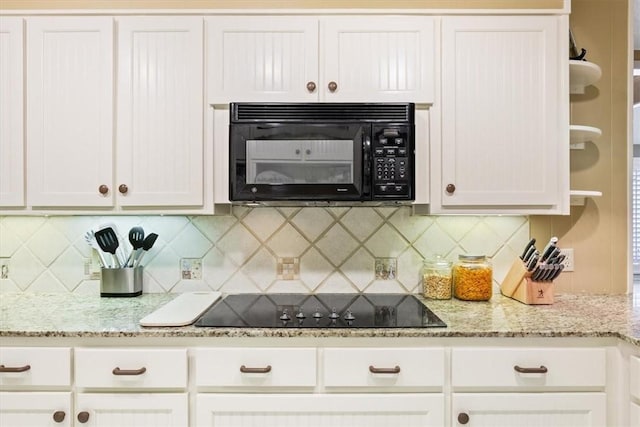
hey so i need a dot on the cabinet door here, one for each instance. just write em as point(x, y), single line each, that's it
point(262, 59)
point(35, 409)
point(338, 410)
point(11, 113)
point(132, 409)
point(160, 111)
point(69, 110)
point(505, 100)
point(384, 59)
point(529, 409)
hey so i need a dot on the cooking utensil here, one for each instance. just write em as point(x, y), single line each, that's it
point(108, 242)
point(90, 238)
point(120, 251)
point(148, 244)
point(136, 238)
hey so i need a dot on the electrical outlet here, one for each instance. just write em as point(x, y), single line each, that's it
point(92, 268)
point(568, 259)
point(288, 268)
point(191, 268)
point(386, 268)
point(4, 268)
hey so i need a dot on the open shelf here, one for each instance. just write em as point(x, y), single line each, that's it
point(582, 74)
point(579, 197)
point(580, 134)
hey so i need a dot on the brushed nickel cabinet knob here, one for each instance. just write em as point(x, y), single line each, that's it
point(463, 418)
point(83, 417)
point(311, 87)
point(103, 189)
point(59, 416)
point(451, 188)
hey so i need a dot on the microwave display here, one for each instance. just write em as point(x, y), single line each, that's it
point(288, 153)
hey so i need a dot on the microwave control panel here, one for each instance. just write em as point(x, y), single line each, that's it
point(392, 163)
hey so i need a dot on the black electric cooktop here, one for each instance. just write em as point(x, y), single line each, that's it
point(319, 311)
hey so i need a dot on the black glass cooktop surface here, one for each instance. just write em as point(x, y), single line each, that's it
point(319, 311)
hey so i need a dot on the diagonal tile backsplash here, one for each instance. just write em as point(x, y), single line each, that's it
point(336, 249)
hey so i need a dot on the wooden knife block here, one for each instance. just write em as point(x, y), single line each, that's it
point(518, 285)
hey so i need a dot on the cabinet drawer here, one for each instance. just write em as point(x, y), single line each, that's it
point(523, 367)
point(374, 367)
point(131, 368)
point(35, 366)
point(634, 377)
point(255, 367)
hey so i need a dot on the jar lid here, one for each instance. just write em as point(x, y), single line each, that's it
point(437, 260)
point(463, 257)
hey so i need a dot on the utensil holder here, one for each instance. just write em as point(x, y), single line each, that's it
point(121, 282)
point(518, 285)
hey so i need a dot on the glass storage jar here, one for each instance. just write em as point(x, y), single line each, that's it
point(472, 278)
point(436, 278)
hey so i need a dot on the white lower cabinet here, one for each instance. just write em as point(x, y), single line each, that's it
point(31, 409)
point(529, 409)
point(528, 386)
point(384, 368)
point(308, 387)
point(131, 387)
point(132, 409)
point(27, 377)
point(319, 410)
point(634, 414)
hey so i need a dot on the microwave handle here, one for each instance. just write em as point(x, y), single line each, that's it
point(366, 160)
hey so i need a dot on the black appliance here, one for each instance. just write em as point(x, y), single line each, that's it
point(315, 153)
point(319, 311)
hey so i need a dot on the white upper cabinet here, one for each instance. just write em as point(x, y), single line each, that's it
point(69, 110)
point(329, 59)
point(257, 58)
point(11, 113)
point(160, 155)
point(377, 59)
point(504, 142)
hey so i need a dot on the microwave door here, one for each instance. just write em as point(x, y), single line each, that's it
point(301, 162)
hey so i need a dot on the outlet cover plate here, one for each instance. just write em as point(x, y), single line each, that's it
point(191, 268)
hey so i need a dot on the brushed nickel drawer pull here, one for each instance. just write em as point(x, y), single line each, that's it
point(540, 370)
point(394, 370)
point(118, 371)
point(16, 369)
point(264, 370)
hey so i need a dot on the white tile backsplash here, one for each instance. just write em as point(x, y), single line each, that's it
point(337, 248)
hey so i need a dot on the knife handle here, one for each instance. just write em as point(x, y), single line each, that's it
point(526, 249)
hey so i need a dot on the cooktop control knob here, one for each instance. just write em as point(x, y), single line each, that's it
point(300, 315)
point(349, 317)
point(317, 315)
point(334, 315)
point(285, 315)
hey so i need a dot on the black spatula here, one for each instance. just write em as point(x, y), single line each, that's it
point(108, 242)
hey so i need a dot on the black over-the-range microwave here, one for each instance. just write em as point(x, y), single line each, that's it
point(321, 153)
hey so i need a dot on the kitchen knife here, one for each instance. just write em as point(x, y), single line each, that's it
point(557, 271)
point(529, 254)
point(548, 251)
point(533, 261)
point(526, 249)
point(552, 242)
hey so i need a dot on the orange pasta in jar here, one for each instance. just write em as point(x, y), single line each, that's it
point(472, 278)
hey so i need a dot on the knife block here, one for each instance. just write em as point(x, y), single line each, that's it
point(518, 285)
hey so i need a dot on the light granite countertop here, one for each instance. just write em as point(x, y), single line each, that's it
point(69, 315)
